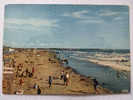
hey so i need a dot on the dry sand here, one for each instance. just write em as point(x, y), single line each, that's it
point(43, 68)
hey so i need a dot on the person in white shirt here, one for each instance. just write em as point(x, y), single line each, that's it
point(67, 77)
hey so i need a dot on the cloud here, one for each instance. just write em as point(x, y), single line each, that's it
point(80, 14)
point(77, 14)
point(32, 25)
point(118, 18)
point(12, 43)
point(110, 13)
point(92, 21)
point(33, 22)
point(18, 27)
point(84, 17)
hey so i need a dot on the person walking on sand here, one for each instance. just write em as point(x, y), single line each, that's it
point(33, 70)
point(50, 81)
point(38, 90)
point(20, 81)
point(95, 84)
point(62, 75)
point(67, 77)
point(27, 72)
point(35, 86)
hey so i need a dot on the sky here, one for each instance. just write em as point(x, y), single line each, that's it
point(66, 26)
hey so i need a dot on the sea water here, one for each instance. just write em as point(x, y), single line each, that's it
point(107, 77)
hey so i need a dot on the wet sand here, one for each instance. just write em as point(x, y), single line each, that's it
point(78, 84)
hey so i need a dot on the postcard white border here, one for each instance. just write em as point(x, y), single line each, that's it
point(60, 97)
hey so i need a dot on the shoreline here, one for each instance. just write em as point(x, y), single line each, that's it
point(86, 79)
point(83, 77)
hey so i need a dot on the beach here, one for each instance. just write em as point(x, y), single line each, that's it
point(46, 64)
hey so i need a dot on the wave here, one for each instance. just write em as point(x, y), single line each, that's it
point(79, 58)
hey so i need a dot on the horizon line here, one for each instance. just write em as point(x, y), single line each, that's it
point(64, 48)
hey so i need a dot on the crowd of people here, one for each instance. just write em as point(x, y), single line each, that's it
point(64, 76)
point(22, 72)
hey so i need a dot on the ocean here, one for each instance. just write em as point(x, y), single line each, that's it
point(109, 78)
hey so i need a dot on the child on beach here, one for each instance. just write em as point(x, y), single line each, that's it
point(50, 81)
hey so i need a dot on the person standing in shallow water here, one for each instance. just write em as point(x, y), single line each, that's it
point(50, 81)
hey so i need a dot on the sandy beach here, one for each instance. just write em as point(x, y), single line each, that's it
point(44, 68)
